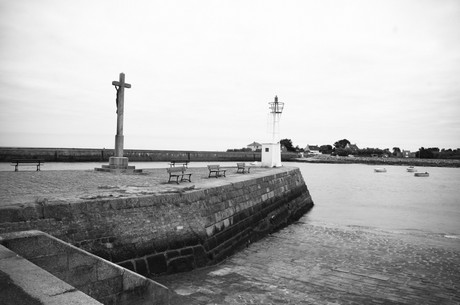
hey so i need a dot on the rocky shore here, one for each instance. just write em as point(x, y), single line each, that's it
point(379, 161)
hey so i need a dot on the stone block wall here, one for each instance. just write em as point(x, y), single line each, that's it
point(22, 282)
point(100, 279)
point(134, 155)
point(171, 232)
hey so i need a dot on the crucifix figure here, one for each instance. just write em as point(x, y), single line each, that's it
point(120, 87)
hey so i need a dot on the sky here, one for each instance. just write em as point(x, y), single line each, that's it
point(380, 74)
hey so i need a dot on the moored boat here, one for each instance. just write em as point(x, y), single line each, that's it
point(380, 170)
point(411, 169)
point(425, 174)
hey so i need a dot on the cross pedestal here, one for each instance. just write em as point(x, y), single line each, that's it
point(119, 163)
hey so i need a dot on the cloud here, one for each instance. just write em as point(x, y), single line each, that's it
point(203, 72)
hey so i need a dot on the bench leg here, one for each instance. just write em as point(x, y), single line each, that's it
point(177, 179)
point(16, 168)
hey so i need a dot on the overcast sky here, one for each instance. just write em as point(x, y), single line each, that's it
point(378, 73)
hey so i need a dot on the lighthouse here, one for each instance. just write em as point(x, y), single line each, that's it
point(271, 152)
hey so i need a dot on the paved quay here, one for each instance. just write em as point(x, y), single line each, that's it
point(24, 187)
point(319, 264)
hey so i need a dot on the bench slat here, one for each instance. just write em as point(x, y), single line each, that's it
point(178, 172)
point(26, 162)
point(215, 169)
point(241, 168)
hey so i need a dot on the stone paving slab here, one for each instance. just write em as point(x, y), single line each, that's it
point(24, 187)
point(318, 264)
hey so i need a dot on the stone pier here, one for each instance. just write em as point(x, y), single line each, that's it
point(149, 226)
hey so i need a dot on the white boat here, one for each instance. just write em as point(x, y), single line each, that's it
point(380, 170)
point(425, 174)
point(411, 169)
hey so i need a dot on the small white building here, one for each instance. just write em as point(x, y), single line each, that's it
point(312, 149)
point(254, 146)
point(271, 155)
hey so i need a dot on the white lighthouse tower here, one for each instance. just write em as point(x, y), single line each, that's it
point(271, 152)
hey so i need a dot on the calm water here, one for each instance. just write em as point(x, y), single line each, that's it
point(353, 195)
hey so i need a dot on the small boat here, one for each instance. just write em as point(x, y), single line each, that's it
point(411, 169)
point(425, 174)
point(380, 170)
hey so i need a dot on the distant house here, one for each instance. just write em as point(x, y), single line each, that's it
point(312, 149)
point(353, 148)
point(408, 154)
point(254, 146)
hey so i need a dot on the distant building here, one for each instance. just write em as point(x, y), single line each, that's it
point(353, 148)
point(408, 154)
point(254, 146)
point(312, 149)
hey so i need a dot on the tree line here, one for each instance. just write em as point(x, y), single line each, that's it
point(344, 148)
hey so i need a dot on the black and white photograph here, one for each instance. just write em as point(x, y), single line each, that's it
point(229, 152)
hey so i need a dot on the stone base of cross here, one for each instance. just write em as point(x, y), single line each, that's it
point(118, 165)
point(118, 162)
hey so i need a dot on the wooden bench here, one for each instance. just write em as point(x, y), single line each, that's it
point(241, 168)
point(183, 163)
point(216, 171)
point(26, 162)
point(178, 172)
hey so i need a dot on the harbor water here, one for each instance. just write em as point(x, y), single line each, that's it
point(396, 200)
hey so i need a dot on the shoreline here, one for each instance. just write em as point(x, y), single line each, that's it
point(379, 161)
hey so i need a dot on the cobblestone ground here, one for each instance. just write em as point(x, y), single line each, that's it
point(315, 264)
point(31, 186)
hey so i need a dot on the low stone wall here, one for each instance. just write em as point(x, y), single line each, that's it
point(98, 278)
point(171, 232)
point(134, 155)
point(208, 231)
point(22, 282)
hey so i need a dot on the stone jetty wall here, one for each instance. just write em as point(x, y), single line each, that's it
point(171, 232)
point(134, 155)
point(103, 281)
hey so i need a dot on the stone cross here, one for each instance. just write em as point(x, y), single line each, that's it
point(120, 87)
